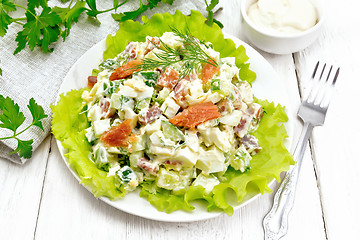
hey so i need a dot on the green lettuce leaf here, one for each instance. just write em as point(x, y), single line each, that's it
point(69, 123)
point(265, 165)
point(195, 23)
point(163, 199)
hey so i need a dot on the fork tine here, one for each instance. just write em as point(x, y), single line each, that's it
point(329, 73)
point(336, 76)
point(308, 92)
point(328, 93)
point(315, 69)
point(319, 99)
point(315, 85)
point(322, 72)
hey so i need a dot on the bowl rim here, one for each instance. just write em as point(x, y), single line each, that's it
point(319, 23)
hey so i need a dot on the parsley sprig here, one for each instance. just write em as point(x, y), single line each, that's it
point(12, 118)
point(44, 25)
point(191, 55)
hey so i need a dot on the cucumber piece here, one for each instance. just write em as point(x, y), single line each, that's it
point(111, 87)
point(161, 96)
point(101, 157)
point(142, 104)
point(174, 180)
point(171, 132)
point(108, 64)
point(240, 159)
point(118, 101)
point(221, 87)
point(150, 78)
point(215, 85)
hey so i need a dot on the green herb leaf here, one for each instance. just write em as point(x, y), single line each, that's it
point(212, 4)
point(11, 117)
point(218, 23)
point(192, 55)
point(37, 113)
point(39, 30)
point(69, 15)
point(210, 19)
point(35, 4)
point(209, 8)
point(5, 20)
point(92, 12)
point(122, 17)
point(115, 3)
point(24, 148)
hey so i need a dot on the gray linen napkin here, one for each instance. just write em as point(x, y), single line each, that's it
point(39, 75)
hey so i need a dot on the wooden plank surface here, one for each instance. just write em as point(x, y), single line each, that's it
point(69, 211)
point(20, 194)
point(65, 203)
point(45, 201)
point(335, 145)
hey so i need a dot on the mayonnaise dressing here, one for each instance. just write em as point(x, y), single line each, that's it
point(283, 16)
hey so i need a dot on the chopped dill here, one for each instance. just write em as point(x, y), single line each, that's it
point(192, 55)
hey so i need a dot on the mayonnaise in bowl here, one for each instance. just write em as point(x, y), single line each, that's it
point(283, 16)
point(282, 26)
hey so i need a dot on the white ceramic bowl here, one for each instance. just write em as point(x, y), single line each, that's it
point(280, 43)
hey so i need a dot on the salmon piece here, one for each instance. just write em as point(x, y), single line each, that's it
point(196, 114)
point(209, 71)
point(125, 70)
point(132, 138)
point(92, 80)
point(168, 78)
point(118, 136)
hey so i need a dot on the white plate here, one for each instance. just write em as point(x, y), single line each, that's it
point(267, 86)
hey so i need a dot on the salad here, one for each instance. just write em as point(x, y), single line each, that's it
point(171, 116)
point(158, 115)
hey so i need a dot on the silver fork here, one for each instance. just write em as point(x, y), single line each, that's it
point(312, 111)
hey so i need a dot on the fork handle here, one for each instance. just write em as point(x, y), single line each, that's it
point(276, 221)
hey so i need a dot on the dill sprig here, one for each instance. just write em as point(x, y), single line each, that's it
point(191, 55)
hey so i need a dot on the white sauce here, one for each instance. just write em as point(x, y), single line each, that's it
point(283, 16)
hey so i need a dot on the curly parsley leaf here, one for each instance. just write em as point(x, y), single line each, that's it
point(43, 26)
point(35, 4)
point(131, 15)
point(218, 23)
point(37, 112)
point(12, 118)
point(69, 15)
point(209, 8)
point(39, 30)
point(92, 12)
point(212, 5)
point(24, 148)
point(5, 20)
